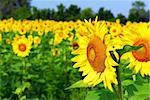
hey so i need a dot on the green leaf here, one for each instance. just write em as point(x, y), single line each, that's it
point(26, 84)
point(142, 93)
point(127, 48)
point(23, 98)
point(92, 95)
point(18, 91)
point(78, 84)
point(131, 89)
point(127, 82)
point(124, 62)
point(103, 94)
point(41, 80)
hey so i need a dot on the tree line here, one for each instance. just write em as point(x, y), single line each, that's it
point(21, 9)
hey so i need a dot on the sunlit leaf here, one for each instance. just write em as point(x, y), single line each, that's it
point(103, 94)
point(127, 82)
point(92, 95)
point(78, 84)
point(142, 93)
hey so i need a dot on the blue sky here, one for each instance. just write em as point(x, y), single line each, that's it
point(116, 6)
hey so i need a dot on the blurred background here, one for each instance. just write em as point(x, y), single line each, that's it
point(66, 10)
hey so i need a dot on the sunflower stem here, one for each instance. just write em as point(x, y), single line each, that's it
point(119, 91)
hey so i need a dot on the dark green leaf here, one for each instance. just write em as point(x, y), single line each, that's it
point(127, 48)
point(142, 93)
point(130, 89)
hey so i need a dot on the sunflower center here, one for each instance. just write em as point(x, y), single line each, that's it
point(142, 54)
point(75, 45)
point(22, 30)
point(22, 47)
point(114, 30)
point(96, 54)
point(92, 54)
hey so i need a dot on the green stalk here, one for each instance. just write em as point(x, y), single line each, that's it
point(119, 91)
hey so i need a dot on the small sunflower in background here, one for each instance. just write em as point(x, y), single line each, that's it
point(22, 30)
point(8, 41)
point(138, 35)
point(92, 58)
point(30, 38)
point(37, 41)
point(21, 46)
point(55, 52)
point(116, 29)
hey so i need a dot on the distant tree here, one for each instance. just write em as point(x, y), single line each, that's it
point(87, 13)
point(15, 8)
point(35, 13)
point(60, 14)
point(146, 16)
point(105, 15)
point(137, 12)
point(45, 14)
point(21, 13)
point(72, 12)
point(122, 18)
point(52, 13)
point(138, 5)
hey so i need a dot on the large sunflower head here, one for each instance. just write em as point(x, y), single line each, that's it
point(92, 56)
point(21, 46)
point(138, 35)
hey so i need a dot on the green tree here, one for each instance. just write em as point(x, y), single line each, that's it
point(15, 8)
point(72, 12)
point(52, 14)
point(35, 13)
point(105, 15)
point(137, 12)
point(87, 13)
point(60, 14)
point(122, 18)
point(138, 5)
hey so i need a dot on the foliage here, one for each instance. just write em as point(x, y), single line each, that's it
point(87, 13)
point(138, 13)
point(39, 76)
point(105, 14)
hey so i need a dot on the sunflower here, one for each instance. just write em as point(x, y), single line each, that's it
point(138, 35)
point(55, 52)
point(22, 30)
point(37, 41)
point(30, 38)
point(22, 46)
point(92, 58)
point(8, 41)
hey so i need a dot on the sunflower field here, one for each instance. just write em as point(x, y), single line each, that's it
point(81, 60)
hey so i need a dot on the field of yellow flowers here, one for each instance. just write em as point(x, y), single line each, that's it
point(38, 60)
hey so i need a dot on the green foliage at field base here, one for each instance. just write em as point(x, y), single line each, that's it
point(39, 76)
